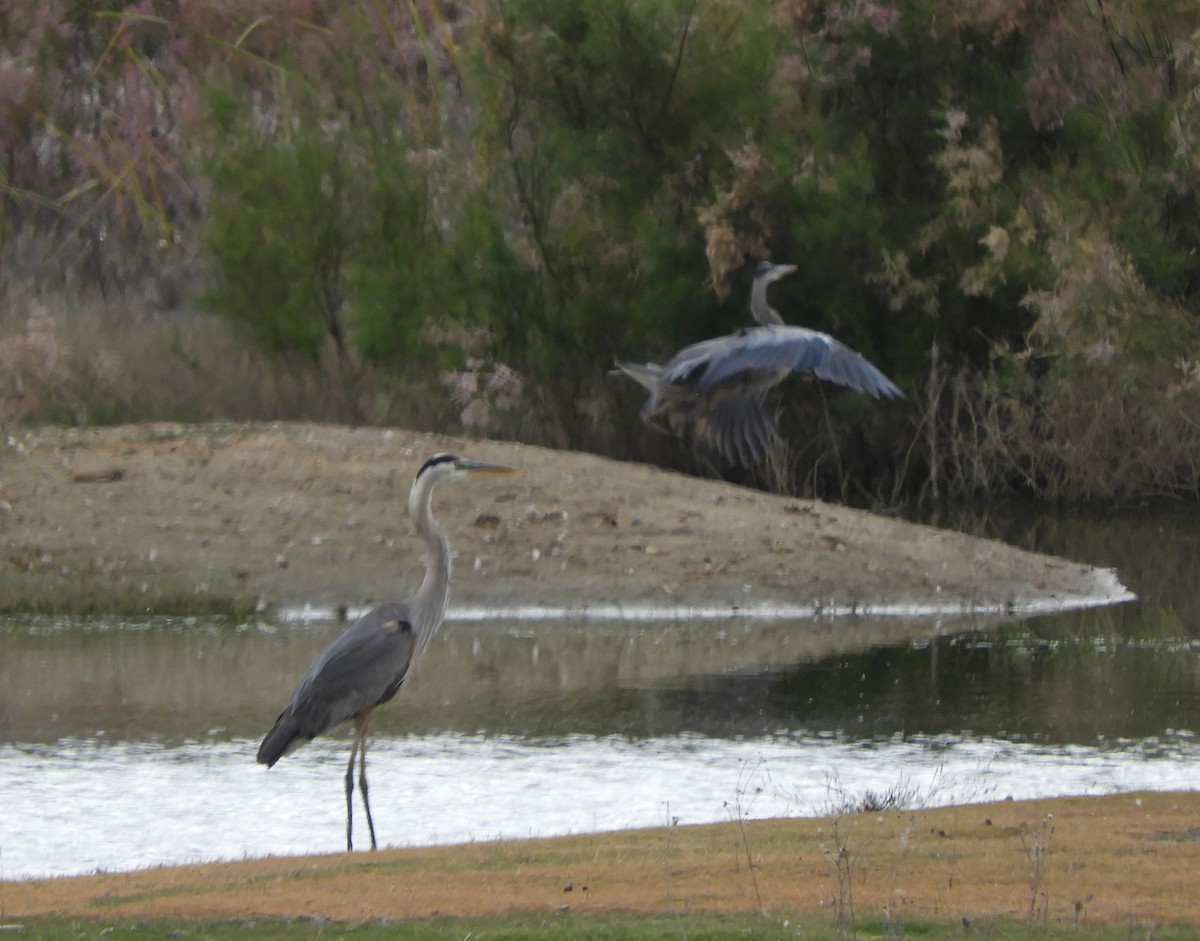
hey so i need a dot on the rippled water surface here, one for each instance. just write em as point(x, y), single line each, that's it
point(125, 744)
point(119, 806)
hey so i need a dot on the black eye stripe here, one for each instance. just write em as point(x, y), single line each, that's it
point(436, 459)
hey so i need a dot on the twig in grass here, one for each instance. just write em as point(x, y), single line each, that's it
point(672, 823)
point(741, 811)
point(841, 860)
point(1036, 852)
point(893, 926)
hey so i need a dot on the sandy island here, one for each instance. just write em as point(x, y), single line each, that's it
point(309, 514)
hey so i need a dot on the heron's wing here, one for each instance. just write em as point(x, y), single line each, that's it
point(739, 427)
point(687, 368)
point(765, 349)
point(364, 667)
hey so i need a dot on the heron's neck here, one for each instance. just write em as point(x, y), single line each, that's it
point(762, 311)
point(429, 603)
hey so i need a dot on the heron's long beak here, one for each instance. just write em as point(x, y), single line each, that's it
point(780, 271)
point(491, 470)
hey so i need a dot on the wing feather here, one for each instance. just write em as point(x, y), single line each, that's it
point(363, 667)
point(738, 427)
point(764, 349)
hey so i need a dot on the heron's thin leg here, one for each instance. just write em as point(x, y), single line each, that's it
point(361, 722)
point(350, 796)
point(362, 785)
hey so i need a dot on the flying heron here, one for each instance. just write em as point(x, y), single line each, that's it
point(719, 386)
point(367, 664)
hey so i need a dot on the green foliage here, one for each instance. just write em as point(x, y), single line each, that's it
point(278, 230)
point(614, 117)
point(92, 592)
point(330, 220)
point(323, 224)
point(397, 265)
point(1000, 209)
point(1011, 191)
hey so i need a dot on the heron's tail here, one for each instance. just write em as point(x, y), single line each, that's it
point(280, 740)
point(648, 376)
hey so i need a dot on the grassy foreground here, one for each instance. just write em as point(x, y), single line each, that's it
point(619, 927)
point(1114, 867)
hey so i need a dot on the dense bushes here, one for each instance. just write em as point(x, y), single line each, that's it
point(995, 202)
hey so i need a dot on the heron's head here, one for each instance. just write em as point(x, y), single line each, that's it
point(766, 274)
point(769, 273)
point(447, 467)
point(451, 466)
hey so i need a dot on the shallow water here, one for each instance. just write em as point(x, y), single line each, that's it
point(126, 744)
point(82, 807)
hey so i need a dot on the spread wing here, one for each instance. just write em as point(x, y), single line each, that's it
point(771, 351)
point(364, 667)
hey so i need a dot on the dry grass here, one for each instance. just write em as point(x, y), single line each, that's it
point(105, 362)
point(1121, 860)
point(109, 362)
point(1086, 441)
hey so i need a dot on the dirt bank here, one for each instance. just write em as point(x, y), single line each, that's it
point(292, 514)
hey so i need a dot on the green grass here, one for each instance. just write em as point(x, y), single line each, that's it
point(93, 593)
point(576, 927)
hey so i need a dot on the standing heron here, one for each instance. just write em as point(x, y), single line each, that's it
point(367, 664)
point(719, 386)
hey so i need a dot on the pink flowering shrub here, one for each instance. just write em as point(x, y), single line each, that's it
point(485, 392)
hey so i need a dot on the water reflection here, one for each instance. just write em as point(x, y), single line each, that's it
point(1070, 679)
point(1028, 682)
point(174, 680)
point(1156, 550)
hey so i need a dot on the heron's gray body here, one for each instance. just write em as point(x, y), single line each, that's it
point(363, 668)
point(718, 387)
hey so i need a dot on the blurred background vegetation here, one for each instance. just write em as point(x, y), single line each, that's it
point(455, 214)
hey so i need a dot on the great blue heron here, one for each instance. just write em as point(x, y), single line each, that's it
point(366, 665)
point(718, 387)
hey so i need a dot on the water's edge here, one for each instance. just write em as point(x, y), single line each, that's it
point(1106, 589)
